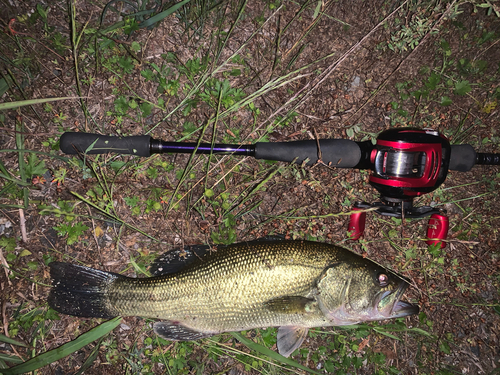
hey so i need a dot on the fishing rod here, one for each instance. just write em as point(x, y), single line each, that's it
point(405, 163)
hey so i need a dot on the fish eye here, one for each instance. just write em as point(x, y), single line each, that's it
point(382, 279)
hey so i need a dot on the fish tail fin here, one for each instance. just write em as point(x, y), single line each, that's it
point(81, 291)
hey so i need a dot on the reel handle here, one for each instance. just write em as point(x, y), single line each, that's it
point(437, 230)
point(357, 222)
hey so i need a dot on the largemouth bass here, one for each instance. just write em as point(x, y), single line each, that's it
point(199, 291)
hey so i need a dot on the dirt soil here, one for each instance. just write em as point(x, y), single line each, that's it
point(351, 94)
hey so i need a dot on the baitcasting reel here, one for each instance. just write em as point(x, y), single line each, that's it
point(407, 163)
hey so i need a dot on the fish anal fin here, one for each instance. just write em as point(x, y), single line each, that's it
point(290, 305)
point(173, 331)
point(290, 338)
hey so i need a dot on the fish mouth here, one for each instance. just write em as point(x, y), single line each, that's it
point(391, 306)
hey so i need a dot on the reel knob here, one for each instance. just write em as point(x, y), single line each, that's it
point(356, 224)
point(437, 230)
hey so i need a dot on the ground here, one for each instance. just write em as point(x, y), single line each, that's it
point(236, 72)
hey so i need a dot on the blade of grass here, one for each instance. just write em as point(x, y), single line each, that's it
point(91, 358)
point(162, 15)
point(22, 103)
point(8, 340)
point(64, 350)
point(10, 358)
point(270, 353)
point(222, 350)
point(22, 164)
point(254, 190)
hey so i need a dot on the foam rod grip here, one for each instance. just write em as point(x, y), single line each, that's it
point(341, 153)
point(72, 143)
point(462, 158)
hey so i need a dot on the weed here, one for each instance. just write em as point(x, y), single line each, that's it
point(72, 229)
point(227, 231)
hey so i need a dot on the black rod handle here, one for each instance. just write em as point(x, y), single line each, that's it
point(73, 143)
point(462, 158)
point(341, 153)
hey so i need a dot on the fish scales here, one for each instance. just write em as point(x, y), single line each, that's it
point(229, 289)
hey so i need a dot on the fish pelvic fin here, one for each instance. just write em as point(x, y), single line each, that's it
point(290, 338)
point(173, 331)
point(81, 291)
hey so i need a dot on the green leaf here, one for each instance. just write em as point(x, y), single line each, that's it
point(131, 25)
point(42, 12)
point(462, 88)
point(9, 244)
point(64, 350)
point(121, 105)
point(117, 165)
point(132, 202)
point(5, 84)
point(136, 47)
point(35, 166)
point(126, 63)
point(145, 109)
point(432, 81)
point(496, 309)
point(445, 101)
point(148, 74)
point(444, 347)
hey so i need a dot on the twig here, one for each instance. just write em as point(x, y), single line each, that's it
point(22, 224)
point(4, 319)
point(5, 266)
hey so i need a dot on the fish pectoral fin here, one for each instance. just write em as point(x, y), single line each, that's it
point(290, 338)
point(289, 304)
point(177, 332)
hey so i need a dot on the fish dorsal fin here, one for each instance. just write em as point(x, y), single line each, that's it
point(289, 304)
point(275, 237)
point(173, 331)
point(290, 338)
point(175, 260)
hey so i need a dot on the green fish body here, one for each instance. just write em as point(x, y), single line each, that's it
point(200, 291)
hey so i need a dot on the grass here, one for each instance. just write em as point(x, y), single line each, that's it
point(237, 73)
